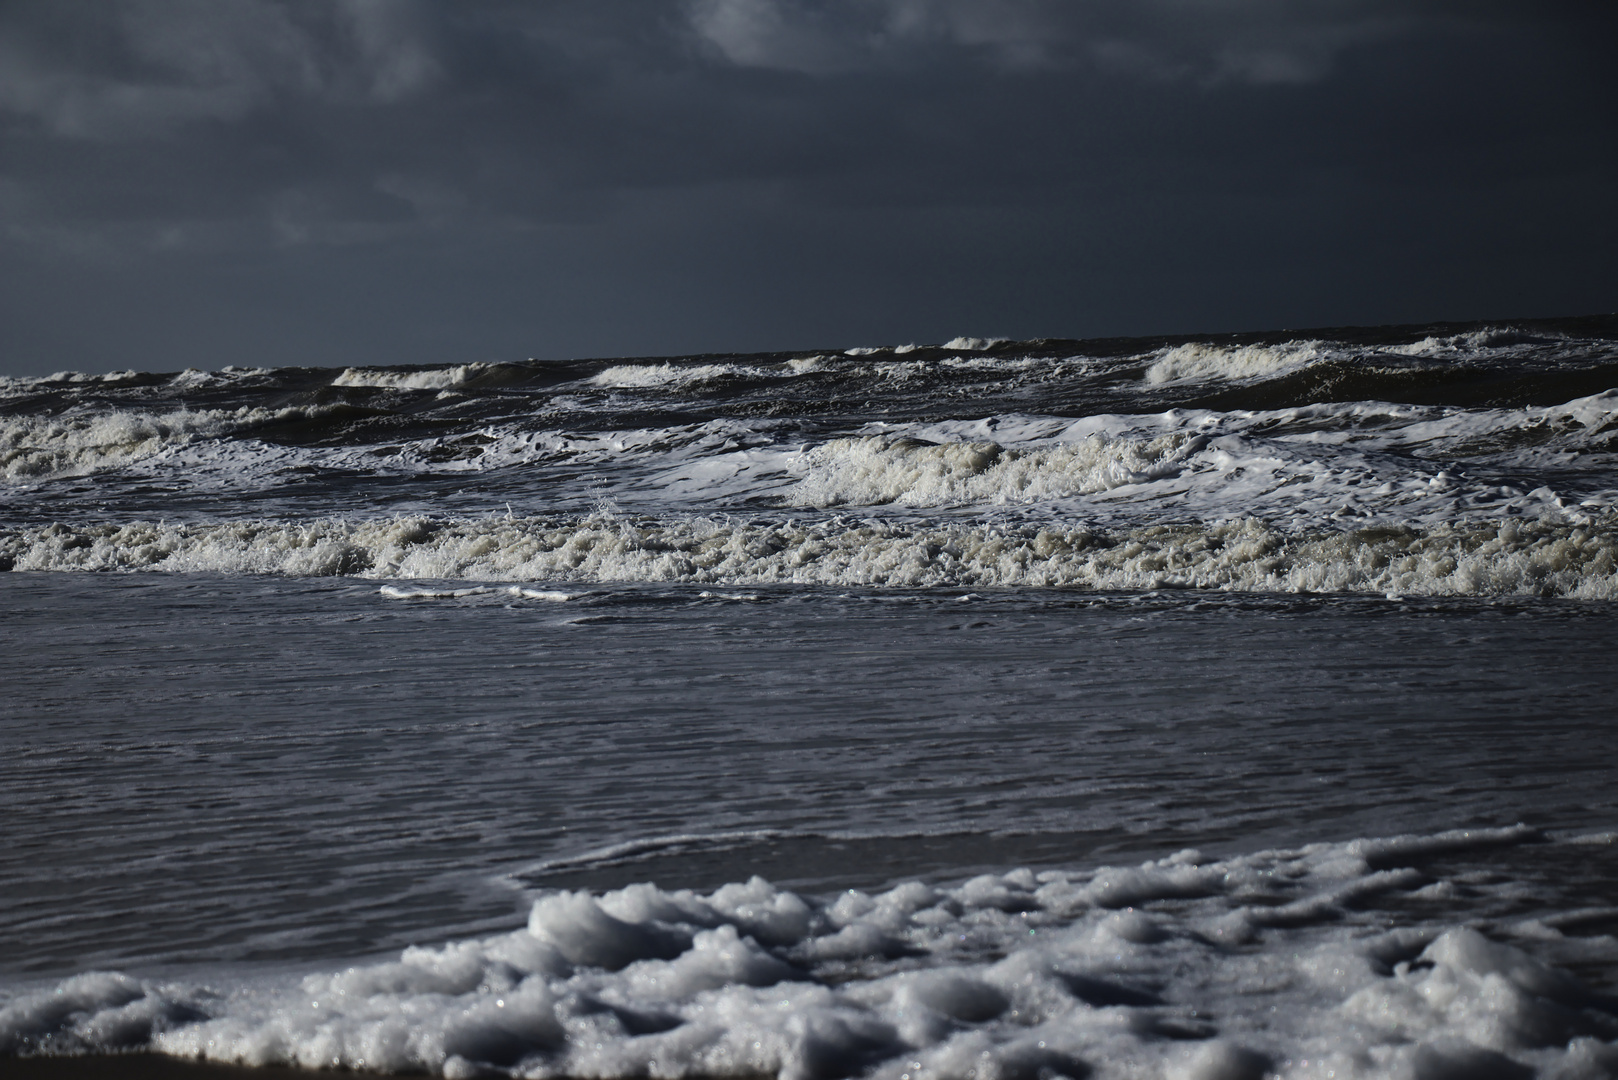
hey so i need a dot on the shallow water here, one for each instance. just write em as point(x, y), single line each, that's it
point(321, 766)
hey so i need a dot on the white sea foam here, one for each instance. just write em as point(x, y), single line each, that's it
point(1012, 369)
point(1539, 558)
point(1306, 468)
point(213, 449)
point(631, 376)
point(671, 445)
point(550, 596)
point(1283, 962)
point(397, 592)
point(231, 375)
point(960, 344)
point(1469, 343)
point(11, 385)
point(405, 592)
point(435, 379)
point(1199, 360)
point(37, 447)
point(875, 469)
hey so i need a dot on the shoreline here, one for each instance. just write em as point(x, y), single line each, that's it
point(137, 1066)
point(145, 1065)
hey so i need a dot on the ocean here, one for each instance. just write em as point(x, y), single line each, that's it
point(1211, 707)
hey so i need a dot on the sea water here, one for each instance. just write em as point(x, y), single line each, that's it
point(1204, 708)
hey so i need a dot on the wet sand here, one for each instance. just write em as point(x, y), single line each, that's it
point(135, 1067)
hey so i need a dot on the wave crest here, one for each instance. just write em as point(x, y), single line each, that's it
point(639, 376)
point(390, 379)
point(41, 447)
point(876, 470)
point(1197, 360)
point(1532, 558)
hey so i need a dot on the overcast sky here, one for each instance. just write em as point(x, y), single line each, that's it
point(211, 182)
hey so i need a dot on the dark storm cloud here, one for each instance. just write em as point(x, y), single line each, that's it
point(1058, 137)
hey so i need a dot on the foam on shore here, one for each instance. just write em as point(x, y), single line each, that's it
point(1329, 960)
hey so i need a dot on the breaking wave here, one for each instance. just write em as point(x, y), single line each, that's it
point(437, 379)
point(874, 470)
point(1198, 360)
point(1527, 558)
point(37, 447)
point(13, 385)
point(637, 376)
point(972, 344)
point(1452, 345)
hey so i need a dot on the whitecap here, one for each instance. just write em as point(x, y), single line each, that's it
point(392, 379)
point(1204, 361)
point(1516, 558)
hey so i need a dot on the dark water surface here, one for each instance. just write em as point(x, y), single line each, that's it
point(198, 768)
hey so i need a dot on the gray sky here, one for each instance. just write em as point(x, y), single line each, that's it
point(211, 182)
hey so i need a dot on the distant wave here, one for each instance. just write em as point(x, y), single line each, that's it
point(672, 375)
point(1197, 360)
point(35, 447)
point(877, 470)
point(435, 379)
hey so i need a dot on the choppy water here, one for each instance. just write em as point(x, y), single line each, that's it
point(1134, 708)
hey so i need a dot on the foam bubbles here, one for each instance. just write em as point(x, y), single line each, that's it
point(1530, 558)
point(877, 470)
point(1458, 345)
point(96, 1012)
point(1008, 974)
point(638, 376)
point(39, 447)
point(395, 592)
point(15, 385)
point(405, 592)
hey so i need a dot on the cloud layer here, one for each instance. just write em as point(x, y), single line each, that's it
point(648, 131)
